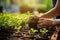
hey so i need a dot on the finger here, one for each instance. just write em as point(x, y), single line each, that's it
point(40, 21)
point(42, 24)
point(43, 18)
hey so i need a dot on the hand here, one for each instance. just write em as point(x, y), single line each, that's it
point(45, 22)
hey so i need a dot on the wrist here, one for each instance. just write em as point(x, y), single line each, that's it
point(56, 22)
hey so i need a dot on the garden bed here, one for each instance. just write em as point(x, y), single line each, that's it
point(17, 27)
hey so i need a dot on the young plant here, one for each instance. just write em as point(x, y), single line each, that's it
point(43, 30)
point(32, 30)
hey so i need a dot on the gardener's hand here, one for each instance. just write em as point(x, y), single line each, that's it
point(45, 22)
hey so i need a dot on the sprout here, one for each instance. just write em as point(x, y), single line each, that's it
point(33, 30)
point(43, 30)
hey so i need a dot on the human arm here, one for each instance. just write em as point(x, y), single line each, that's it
point(53, 12)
